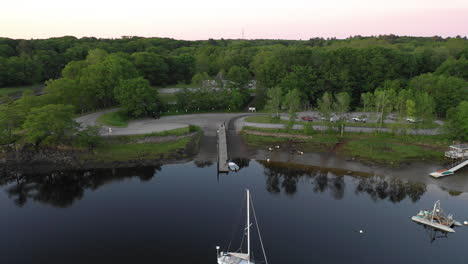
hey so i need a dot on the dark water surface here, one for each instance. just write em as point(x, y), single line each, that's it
point(179, 213)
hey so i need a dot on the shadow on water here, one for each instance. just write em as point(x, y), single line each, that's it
point(283, 176)
point(62, 189)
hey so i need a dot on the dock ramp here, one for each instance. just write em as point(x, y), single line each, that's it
point(443, 173)
point(222, 149)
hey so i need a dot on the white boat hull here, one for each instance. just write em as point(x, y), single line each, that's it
point(432, 224)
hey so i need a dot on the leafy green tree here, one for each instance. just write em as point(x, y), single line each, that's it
point(293, 103)
point(341, 106)
point(88, 137)
point(181, 68)
point(384, 101)
point(64, 91)
point(269, 71)
point(74, 69)
point(302, 78)
point(199, 78)
point(20, 71)
point(453, 67)
point(96, 56)
point(275, 98)
point(10, 119)
point(240, 76)
point(151, 66)
point(457, 122)
point(99, 80)
point(136, 97)
point(325, 105)
point(410, 108)
point(342, 102)
point(237, 99)
point(367, 100)
point(425, 106)
point(447, 91)
point(50, 125)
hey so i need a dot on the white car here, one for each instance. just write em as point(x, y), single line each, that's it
point(357, 119)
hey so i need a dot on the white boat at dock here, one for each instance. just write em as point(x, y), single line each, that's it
point(233, 166)
point(436, 219)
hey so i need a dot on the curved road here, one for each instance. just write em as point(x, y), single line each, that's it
point(208, 122)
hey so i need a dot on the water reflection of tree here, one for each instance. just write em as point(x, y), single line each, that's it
point(203, 163)
point(394, 189)
point(241, 162)
point(285, 176)
point(62, 189)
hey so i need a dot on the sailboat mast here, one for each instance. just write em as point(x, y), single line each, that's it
point(248, 226)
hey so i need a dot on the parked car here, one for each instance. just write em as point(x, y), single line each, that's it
point(308, 118)
point(359, 120)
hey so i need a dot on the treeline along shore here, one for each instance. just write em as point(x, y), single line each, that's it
point(412, 78)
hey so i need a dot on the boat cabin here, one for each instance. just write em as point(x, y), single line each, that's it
point(459, 151)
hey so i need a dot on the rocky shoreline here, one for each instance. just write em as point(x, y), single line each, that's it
point(45, 160)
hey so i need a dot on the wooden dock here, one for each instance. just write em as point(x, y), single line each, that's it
point(222, 149)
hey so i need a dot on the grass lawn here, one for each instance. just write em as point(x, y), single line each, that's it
point(11, 90)
point(266, 119)
point(394, 149)
point(173, 132)
point(385, 148)
point(125, 152)
point(115, 119)
point(168, 97)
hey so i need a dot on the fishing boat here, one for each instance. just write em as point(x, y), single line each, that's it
point(240, 257)
point(436, 219)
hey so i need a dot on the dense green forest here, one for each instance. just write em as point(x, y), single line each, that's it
point(91, 73)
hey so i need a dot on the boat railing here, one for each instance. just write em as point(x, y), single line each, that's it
point(456, 155)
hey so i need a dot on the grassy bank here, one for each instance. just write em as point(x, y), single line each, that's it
point(174, 144)
point(266, 119)
point(385, 148)
point(135, 151)
point(115, 119)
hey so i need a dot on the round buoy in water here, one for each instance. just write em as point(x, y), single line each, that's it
point(361, 231)
point(465, 223)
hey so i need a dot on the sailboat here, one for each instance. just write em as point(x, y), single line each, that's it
point(239, 257)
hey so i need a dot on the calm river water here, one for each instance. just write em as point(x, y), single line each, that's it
point(180, 213)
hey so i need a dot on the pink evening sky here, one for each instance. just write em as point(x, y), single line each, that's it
point(203, 19)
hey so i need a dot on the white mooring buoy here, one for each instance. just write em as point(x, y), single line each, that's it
point(277, 147)
point(270, 149)
point(465, 223)
point(361, 231)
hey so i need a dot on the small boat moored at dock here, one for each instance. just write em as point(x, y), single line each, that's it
point(436, 219)
point(233, 166)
